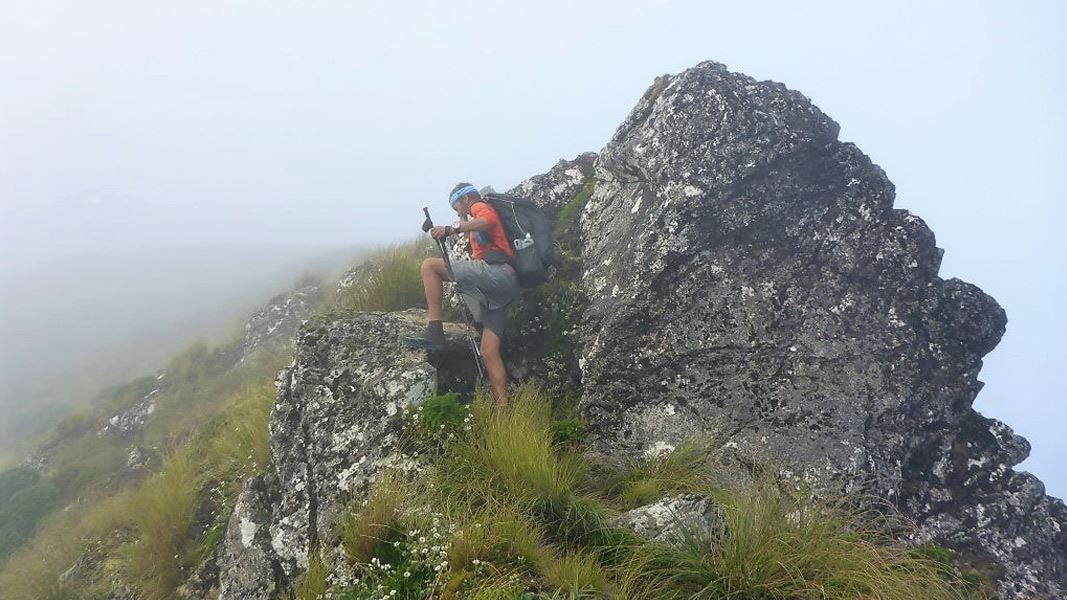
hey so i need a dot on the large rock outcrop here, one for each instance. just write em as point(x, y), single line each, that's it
point(334, 426)
point(748, 276)
point(728, 267)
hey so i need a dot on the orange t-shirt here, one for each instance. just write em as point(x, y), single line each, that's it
point(493, 238)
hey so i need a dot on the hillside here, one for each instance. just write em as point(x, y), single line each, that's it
point(745, 379)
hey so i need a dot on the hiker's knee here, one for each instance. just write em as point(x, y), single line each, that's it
point(430, 268)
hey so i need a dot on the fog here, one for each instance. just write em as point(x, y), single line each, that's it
point(128, 125)
point(74, 325)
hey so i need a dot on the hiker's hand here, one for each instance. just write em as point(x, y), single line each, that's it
point(439, 232)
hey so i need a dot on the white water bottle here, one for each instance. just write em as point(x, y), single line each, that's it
point(523, 243)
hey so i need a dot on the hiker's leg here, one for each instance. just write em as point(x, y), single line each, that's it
point(434, 272)
point(494, 365)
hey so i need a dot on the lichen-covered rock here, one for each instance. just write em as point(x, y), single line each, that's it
point(554, 189)
point(248, 569)
point(334, 426)
point(337, 417)
point(748, 275)
point(279, 319)
point(674, 519)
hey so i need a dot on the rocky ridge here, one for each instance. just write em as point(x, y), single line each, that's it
point(748, 276)
point(731, 268)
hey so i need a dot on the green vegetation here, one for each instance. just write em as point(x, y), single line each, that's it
point(149, 534)
point(161, 512)
point(501, 505)
point(645, 481)
point(543, 321)
point(24, 499)
point(499, 509)
point(390, 280)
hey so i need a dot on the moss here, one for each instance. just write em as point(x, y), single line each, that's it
point(545, 318)
point(973, 582)
point(567, 233)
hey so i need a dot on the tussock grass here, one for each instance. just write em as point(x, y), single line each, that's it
point(148, 534)
point(194, 401)
point(391, 281)
point(362, 531)
point(499, 533)
point(684, 469)
point(313, 583)
point(576, 573)
point(510, 455)
point(774, 544)
point(161, 511)
point(524, 522)
point(241, 445)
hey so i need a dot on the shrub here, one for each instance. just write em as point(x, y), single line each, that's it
point(20, 512)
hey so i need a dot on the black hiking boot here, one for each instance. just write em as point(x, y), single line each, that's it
point(434, 340)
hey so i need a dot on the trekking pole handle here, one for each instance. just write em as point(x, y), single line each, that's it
point(427, 225)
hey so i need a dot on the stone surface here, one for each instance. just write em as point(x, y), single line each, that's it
point(554, 189)
point(130, 421)
point(737, 271)
point(747, 275)
point(333, 427)
point(279, 319)
point(247, 566)
point(673, 519)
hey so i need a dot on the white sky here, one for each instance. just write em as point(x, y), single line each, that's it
point(125, 125)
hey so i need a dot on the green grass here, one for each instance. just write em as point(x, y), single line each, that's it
point(240, 447)
point(312, 583)
point(390, 282)
point(150, 534)
point(776, 544)
point(363, 530)
point(640, 482)
point(518, 516)
point(162, 512)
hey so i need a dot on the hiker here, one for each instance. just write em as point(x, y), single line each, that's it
point(487, 284)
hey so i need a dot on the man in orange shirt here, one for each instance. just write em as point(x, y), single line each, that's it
point(487, 284)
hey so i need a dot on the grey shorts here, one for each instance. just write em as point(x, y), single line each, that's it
point(487, 290)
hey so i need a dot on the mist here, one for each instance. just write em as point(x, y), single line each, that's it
point(73, 325)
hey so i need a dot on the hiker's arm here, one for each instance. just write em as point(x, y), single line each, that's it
point(471, 225)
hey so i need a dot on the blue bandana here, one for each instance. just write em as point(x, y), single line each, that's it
point(460, 193)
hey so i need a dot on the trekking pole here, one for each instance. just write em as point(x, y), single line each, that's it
point(427, 225)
